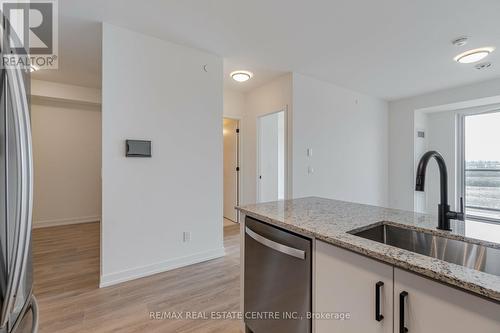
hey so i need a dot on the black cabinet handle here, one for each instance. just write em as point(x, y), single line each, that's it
point(378, 315)
point(402, 299)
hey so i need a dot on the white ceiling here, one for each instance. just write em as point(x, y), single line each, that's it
point(385, 48)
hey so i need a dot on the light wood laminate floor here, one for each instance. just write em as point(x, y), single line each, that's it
point(66, 270)
point(228, 223)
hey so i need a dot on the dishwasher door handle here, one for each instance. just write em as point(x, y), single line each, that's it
point(276, 246)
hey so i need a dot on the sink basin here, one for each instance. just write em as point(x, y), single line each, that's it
point(482, 258)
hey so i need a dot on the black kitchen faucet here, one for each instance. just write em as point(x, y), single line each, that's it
point(444, 212)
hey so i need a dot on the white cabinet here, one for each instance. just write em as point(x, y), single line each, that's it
point(345, 283)
point(433, 307)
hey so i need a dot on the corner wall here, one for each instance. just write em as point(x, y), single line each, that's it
point(66, 129)
point(165, 96)
point(271, 97)
point(402, 132)
point(234, 104)
point(347, 132)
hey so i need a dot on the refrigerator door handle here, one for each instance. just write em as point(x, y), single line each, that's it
point(32, 307)
point(34, 313)
point(16, 89)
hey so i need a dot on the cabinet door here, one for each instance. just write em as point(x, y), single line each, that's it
point(430, 306)
point(346, 283)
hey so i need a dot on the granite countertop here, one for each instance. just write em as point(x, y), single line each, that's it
point(331, 220)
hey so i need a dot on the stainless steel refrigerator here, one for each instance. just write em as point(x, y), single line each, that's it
point(18, 307)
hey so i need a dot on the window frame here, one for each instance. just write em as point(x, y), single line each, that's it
point(461, 169)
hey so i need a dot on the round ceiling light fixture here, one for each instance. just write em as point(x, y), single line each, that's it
point(475, 55)
point(241, 76)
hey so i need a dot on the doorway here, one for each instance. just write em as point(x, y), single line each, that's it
point(231, 169)
point(271, 157)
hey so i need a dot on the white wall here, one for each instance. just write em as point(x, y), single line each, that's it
point(67, 163)
point(281, 155)
point(271, 97)
point(349, 140)
point(442, 135)
point(402, 133)
point(421, 146)
point(347, 132)
point(162, 94)
point(234, 104)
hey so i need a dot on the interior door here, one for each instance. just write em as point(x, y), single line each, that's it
point(271, 178)
point(230, 168)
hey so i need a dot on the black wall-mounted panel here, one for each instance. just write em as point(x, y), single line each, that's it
point(138, 148)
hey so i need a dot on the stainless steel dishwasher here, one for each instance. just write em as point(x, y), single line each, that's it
point(277, 290)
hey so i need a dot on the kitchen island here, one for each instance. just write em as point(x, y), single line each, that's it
point(330, 225)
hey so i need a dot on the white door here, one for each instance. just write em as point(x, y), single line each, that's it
point(347, 284)
point(230, 168)
point(429, 306)
point(271, 157)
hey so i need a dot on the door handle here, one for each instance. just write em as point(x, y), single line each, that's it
point(34, 313)
point(15, 89)
point(402, 299)
point(276, 246)
point(33, 308)
point(378, 316)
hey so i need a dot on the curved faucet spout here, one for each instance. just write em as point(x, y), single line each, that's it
point(444, 212)
point(443, 174)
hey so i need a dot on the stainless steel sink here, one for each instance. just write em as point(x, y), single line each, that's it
point(482, 258)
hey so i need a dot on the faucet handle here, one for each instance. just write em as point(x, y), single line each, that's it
point(457, 215)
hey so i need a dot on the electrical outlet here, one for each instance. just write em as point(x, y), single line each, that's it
point(186, 236)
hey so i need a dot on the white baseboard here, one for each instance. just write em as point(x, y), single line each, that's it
point(66, 221)
point(139, 272)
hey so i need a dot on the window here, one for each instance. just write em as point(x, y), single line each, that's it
point(481, 151)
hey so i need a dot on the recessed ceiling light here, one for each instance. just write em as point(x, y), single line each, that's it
point(474, 55)
point(241, 76)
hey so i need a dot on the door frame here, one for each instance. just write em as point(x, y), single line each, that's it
point(284, 109)
point(239, 184)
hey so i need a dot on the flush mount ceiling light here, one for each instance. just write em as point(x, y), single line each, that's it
point(475, 55)
point(241, 76)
